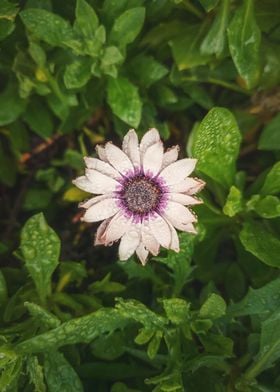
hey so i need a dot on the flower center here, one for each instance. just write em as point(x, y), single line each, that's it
point(141, 194)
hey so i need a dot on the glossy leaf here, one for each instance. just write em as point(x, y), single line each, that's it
point(215, 40)
point(214, 307)
point(78, 73)
point(271, 184)
point(60, 376)
point(124, 100)
point(265, 206)
point(127, 26)
point(83, 329)
point(260, 242)
point(86, 19)
point(40, 247)
point(48, 27)
point(216, 145)
point(270, 137)
point(234, 202)
point(186, 48)
point(244, 43)
point(147, 70)
point(262, 301)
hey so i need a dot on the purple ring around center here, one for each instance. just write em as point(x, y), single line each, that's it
point(148, 210)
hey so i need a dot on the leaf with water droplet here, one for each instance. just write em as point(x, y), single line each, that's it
point(261, 302)
point(244, 39)
point(40, 247)
point(216, 144)
point(262, 243)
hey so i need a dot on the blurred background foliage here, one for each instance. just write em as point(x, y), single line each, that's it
point(74, 74)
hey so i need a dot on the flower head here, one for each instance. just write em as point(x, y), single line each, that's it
point(142, 195)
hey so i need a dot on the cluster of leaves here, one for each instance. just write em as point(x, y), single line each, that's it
point(206, 73)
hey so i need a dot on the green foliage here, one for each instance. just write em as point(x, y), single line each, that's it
point(40, 249)
point(216, 145)
point(78, 73)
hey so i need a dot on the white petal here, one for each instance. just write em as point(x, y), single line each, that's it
point(152, 159)
point(102, 210)
point(101, 152)
point(93, 200)
point(99, 236)
point(100, 182)
point(118, 159)
point(178, 215)
point(129, 243)
point(84, 184)
point(190, 228)
point(186, 200)
point(142, 253)
point(150, 137)
point(131, 147)
point(188, 185)
point(102, 167)
point(178, 171)
point(170, 156)
point(161, 231)
point(117, 227)
point(174, 245)
point(148, 239)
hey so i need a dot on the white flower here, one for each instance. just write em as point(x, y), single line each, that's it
point(142, 193)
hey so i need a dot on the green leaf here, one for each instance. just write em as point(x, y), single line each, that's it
point(177, 310)
point(46, 319)
point(39, 118)
point(35, 372)
point(244, 38)
point(124, 100)
point(40, 247)
point(214, 307)
point(147, 70)
point(216, 145)
point(138, 312)
point(261, 243)
point(127, 26)
point(83, 329)
point(271, 184)
point(86, 19)
point(269, 350)
point(60, 375)
point(262, 301)
point(186, 47)
point(10, 374)
point(144, 336)
point(78, 73)
point(265, 206)
point(11, 104)
point(179, 264)
point(8, 10)
point(270, 342)
point(234, 202)
point(109, 347)
point(215, 40)
point(48, 27)
point(217, 344)
point(154, 344)
point(270, 137)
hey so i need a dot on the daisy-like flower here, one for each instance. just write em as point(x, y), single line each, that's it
point(142, 195)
